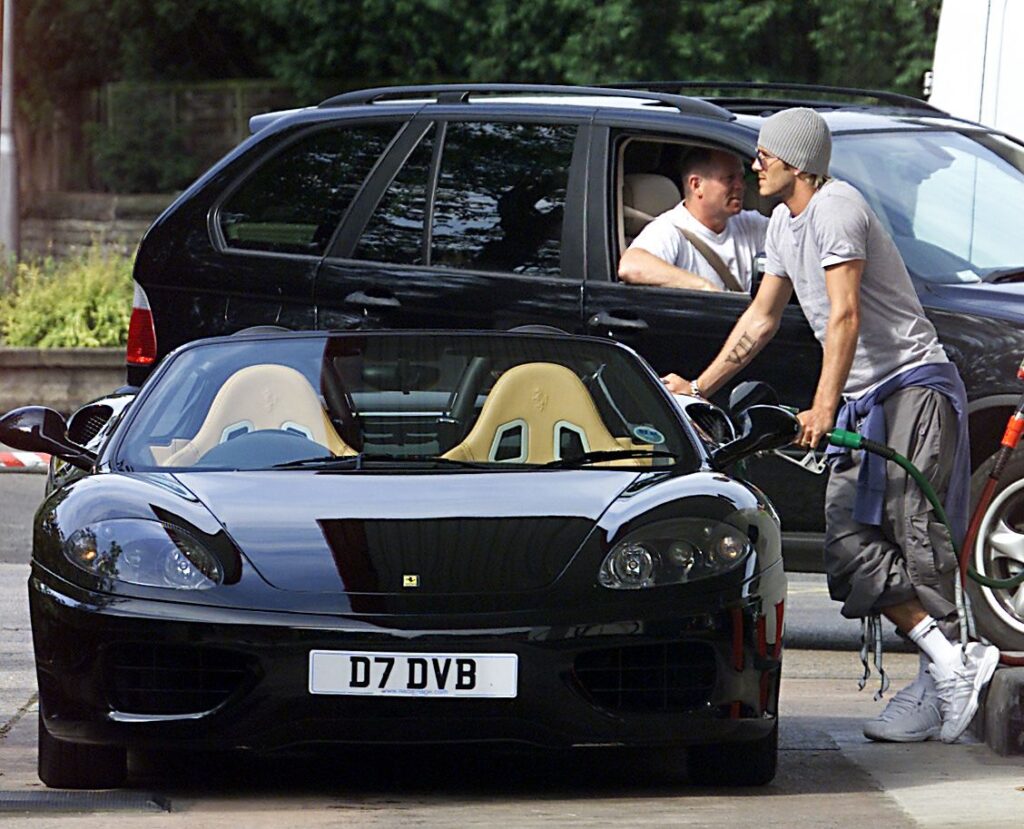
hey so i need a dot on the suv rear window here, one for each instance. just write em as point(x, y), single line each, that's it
point(293, 203)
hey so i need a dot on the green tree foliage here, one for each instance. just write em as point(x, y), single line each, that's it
point(877, 44)
point(319, 46)
point(66, 47)
point(142, 152)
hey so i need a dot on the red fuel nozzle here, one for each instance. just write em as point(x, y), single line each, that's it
point(1011, 437)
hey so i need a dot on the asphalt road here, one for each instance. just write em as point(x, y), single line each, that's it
point(20, 494)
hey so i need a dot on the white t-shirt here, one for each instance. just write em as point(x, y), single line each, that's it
point(838, 226)
point(737, 245)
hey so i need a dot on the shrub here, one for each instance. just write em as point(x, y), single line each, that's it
point(82, 301)
point(141, 151)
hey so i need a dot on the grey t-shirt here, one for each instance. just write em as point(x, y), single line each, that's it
point(838, 226)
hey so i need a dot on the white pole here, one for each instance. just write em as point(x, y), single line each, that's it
point(9, 235)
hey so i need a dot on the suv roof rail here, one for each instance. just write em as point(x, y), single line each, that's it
point(460, 93)
point(744, 102)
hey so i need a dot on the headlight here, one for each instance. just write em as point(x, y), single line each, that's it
point(673, 552)
point(148, 553)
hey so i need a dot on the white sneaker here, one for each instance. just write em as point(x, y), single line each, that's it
point(912, 716)
point(959, 693)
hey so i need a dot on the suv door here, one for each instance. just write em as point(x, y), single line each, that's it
point(467, 223)
point(682, 331)
point(276, 221)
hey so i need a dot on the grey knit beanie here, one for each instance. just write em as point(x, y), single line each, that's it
point(800, 137)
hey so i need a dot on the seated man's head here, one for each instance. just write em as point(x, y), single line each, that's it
point(712, 186)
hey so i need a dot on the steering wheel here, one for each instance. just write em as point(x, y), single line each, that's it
point(261, 449)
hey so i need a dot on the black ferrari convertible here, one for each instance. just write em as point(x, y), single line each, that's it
point(292, 539)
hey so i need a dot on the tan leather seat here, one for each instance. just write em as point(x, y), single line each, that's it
point(258, 397)
point(644, 196)
point(534, 406)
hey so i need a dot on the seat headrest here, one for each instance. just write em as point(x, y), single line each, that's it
point(649, 193)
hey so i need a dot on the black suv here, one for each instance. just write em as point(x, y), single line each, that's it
point(495, 206)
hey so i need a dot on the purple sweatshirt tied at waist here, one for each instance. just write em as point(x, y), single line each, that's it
point(867, 410)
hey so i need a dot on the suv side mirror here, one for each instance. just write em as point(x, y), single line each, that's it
point(761, 428)
point(40, 429)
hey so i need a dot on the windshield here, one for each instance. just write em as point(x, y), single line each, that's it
point(439, 402)
point(951, 201)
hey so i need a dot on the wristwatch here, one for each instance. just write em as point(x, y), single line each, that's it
point(695, 389)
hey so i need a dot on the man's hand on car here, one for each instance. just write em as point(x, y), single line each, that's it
point(676, 384)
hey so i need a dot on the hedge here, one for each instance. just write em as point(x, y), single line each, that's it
point(81, 301)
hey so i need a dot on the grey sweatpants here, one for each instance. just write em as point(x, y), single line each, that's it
point(910, 555)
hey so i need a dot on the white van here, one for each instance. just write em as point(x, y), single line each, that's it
point(978, 70)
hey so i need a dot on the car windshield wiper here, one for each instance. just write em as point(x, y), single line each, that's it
point(363, 460)
point(607, 455)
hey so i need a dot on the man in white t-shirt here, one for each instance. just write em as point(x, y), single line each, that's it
point(711, 210)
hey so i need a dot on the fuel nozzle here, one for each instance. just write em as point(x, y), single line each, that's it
point(848, 440)
point(853, 440)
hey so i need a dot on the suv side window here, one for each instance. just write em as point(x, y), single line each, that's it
point(293, 203)
point(501, 196)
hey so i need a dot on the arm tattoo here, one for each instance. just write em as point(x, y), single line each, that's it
point(742, 350)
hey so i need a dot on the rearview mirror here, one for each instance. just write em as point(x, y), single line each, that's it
point(39, 429)
point(761, 428)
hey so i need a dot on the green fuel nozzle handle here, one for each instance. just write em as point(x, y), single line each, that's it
point(848, 440)
point(852, 440)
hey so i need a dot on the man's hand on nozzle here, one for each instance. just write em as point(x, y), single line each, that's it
point(815, 424)
point(676, 384)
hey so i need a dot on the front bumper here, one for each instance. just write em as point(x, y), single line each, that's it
point(152, 675)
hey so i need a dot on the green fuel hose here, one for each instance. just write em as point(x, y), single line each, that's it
point(852, 440)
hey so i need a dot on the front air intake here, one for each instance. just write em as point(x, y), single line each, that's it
point(168, 680)
point(675, 676)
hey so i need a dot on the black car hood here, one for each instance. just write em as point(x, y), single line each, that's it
point(372, 533)
point(1001, 300)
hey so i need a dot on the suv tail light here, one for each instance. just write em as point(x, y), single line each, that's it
point(141, 350)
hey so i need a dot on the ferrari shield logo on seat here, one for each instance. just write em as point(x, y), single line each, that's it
point(410, 580)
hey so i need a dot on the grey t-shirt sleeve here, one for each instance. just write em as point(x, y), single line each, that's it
point(841, 231)
point(772, 259)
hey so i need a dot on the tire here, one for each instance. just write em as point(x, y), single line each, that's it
point(736, 764)
point(999, 614)
point(65, 765)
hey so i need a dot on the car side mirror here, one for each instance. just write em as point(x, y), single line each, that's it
point(751, 393)
point(86, 422)
point(761, 428)
point(40, 429)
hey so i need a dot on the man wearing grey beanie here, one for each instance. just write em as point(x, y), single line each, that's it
point(885, 371)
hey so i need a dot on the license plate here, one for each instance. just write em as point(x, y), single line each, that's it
point(376, 674)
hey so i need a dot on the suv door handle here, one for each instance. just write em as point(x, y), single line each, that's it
point(364, 299)
point(603, 319)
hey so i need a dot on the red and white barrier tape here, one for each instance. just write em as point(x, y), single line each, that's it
point(23, 460)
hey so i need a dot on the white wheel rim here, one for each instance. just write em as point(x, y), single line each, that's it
point(999, 553)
